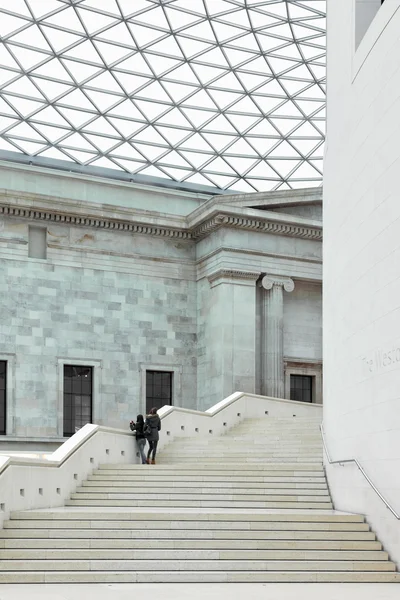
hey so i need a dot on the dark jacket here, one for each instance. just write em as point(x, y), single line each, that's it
point(155, 423)
point(138, 427)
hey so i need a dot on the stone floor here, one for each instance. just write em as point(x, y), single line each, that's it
point(239, 591)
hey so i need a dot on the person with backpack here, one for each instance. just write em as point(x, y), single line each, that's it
point(151, 428)
point(139, 428)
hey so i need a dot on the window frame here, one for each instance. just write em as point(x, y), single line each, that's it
point(10, 360)
point(3, 399)
point(169, 399)
point(80, 394)
point(176, 371)
point(310, 380)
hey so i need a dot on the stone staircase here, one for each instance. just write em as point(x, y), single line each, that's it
point(250, 506)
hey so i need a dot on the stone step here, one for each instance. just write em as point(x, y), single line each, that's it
point(10, 557)
point(145, 490)
point(156, 576)
point(112, 494)
point(150, 476)
point(254, 460)
point(217, 469)
point(89, 501)
point(189, 543)
point(98, 482)
point(51, 535)
point(196, 565)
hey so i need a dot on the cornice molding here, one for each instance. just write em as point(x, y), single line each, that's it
point(123, 222)
point(230, 275)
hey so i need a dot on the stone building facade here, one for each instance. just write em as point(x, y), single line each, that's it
point(222, 293)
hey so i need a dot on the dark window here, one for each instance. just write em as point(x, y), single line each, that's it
point(3, 396)
point(77, 398)
point(301, 388)
point(158, 389)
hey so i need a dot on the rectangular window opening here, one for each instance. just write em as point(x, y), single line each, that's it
point(301, 388)
point(158, 389)
point(3, 397)
point(37, 242)
point(78, 398)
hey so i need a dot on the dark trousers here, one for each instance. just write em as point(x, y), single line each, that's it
point(152, 449)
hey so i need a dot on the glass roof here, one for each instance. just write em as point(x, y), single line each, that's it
point(227, 93)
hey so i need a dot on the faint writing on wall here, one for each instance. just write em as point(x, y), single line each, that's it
point(381, 360)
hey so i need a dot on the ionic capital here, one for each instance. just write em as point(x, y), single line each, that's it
point(269, 281)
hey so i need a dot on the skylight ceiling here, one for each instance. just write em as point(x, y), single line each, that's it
point(228, 93)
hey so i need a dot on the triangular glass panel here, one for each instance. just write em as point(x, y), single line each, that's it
point(214, 58)
point(101, 125)
point(241, 147)
point(196, 142)
point(127, 109)
point(178, 18)
point(218, 141)
point(298, 12)
point(284, 167)
point(224, 99)
point(175, 159)
point(238, 57)
point(301, 32)
point(229, 82)
point(289, 51)
point(220, 124)
point(10, 23)
point(118, 33)
point(76, 99)
point(318, 164)
point(226, 32)
point(51, 133)
point(102, 143)
point(295, 185)
point(150, 135)
point(266, 104)
point(125, 127)
point(6, 109)
point(152, 110)
point(94, 21)
point(19, 7)
point(263, 128)
point(200, 100)
point(284, 150)
point(76, 117)
point(54, 69)
point(220, 166)
point(174, 117)
point(320, 125)
point(262, 145)
point(240, 164)
point(258, 66)
point(248, 42)
point(105, 81)
point(197, 159)
point(221, 181)
point(30, 148)
point(23, 106)
point(6, 60)
point(182, 74)
point(154, 172)
point(107, 6)
point(206, 73)
point(80, 71)
point(144, 36)
point(242, 122)
point(215, 7)
point(251, 81)
point(202, 31)
point(304, 146)
point(51, 89)
point(285, 125)
point(196, 6)
point(198, 117)
point(288, 109)
point(318, 71)
point(263, 185)
point(192, 47)
point(154, 91)
point(291, 86)
point(150, 152)
point(111, 53)
point(129, 82)
point(135, 64)
point(306, 131)
point(238, 17)
point(284, 186)
point(260, 20)
point(313, 93)
point(43, 7)
point(246, 105)
point(277, 8)
point(262, 169)
point(178, 91)
point(308, 107)
point(103, 101)
point(128, 8)
point(174, 136)
point(130, 166)
point(280, 65)
point(7, 146)
point(105, 163)
point(160, 64)
point(154, 17)
point(57, 154)
point(200, 180)
point(310, 52)
point(31, 37)
point(7, 76)
point(177, 174)
point(242, 186)
point(60, 40)
point(6, 122)
point(77, 141)
point(66, 19)
point(85, 52)
point(306, 171)
point(24, 87)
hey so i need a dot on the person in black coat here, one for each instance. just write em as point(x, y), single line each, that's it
point(154, 422)
point(140, 437)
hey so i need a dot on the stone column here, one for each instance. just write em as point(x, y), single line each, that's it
point(272, 368)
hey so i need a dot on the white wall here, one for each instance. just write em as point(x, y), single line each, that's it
point(302, 312)
point(361, 264)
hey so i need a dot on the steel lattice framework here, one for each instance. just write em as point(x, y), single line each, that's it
point(227, 93)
